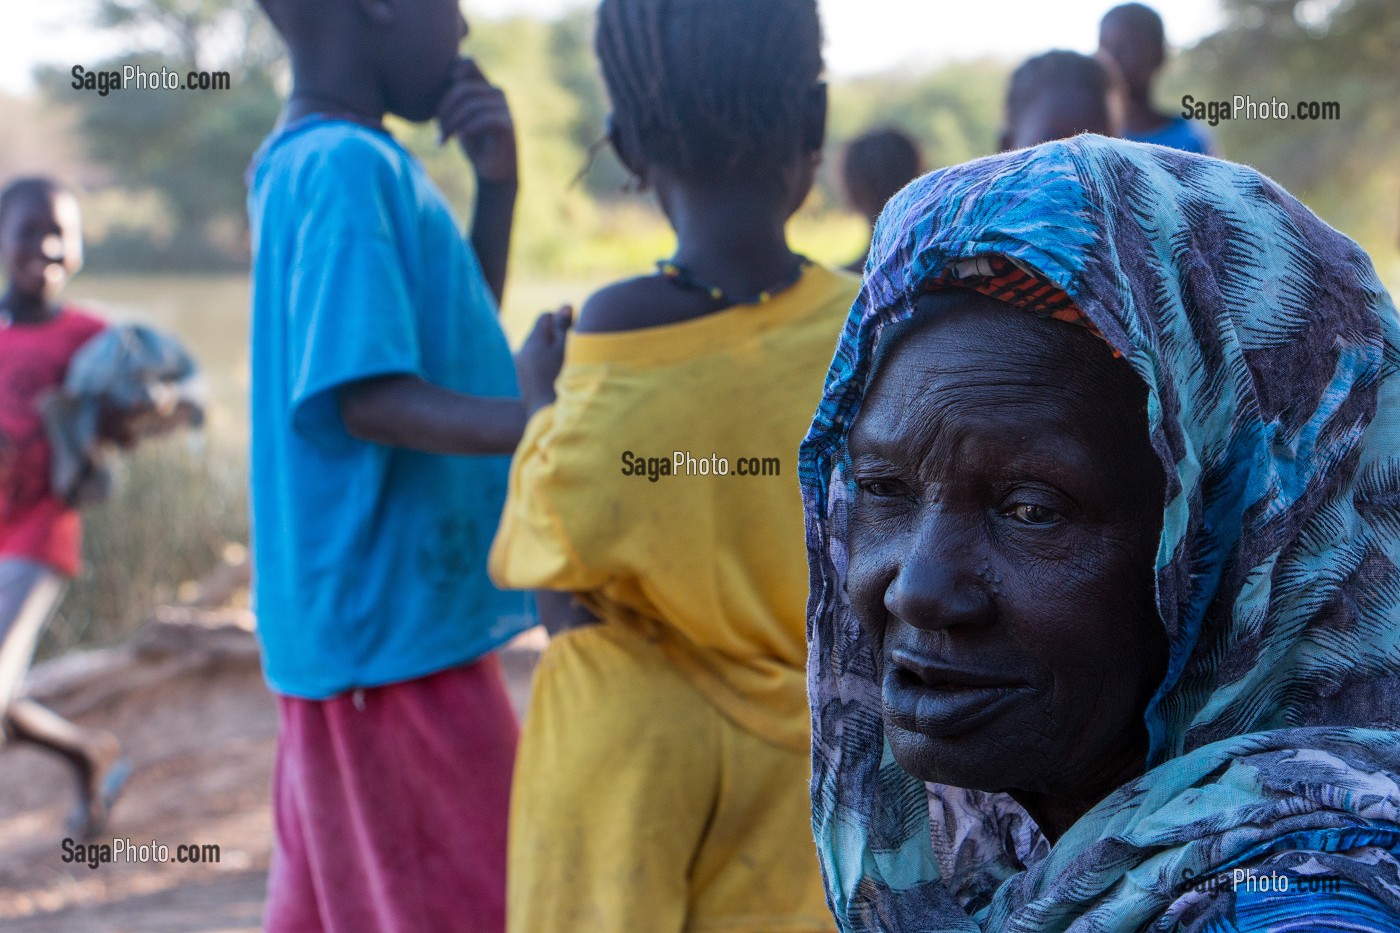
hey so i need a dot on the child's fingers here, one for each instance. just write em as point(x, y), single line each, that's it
point(474, 114)
point(480, 125)
point(543, 330)
point(559, 326)
point(460, 89)
point(467, 84)
point(467, 103)
point(467, 69)
point(551, 328)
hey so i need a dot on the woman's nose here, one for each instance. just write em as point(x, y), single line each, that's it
point(941, 582)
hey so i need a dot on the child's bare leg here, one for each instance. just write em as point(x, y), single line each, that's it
point(93, 753)
point(29, 594)
point(90, 751)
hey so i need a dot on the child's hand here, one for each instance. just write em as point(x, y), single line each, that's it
point(474, 111)
point(119, 426)
point(538, 363)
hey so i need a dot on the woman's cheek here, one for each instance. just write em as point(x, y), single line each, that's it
point(873, 565)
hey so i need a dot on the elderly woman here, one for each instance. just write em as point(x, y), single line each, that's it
point(1103, 515)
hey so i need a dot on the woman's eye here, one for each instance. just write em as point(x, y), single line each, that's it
point(1028, 513)
point(881, 488)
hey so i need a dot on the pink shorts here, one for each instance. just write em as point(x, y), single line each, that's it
point(391, 809)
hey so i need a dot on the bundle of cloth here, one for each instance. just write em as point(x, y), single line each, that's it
point(127, 383)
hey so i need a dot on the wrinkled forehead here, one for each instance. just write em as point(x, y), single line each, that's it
point(965, 344)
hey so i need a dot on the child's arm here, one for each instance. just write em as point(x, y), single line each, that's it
point(475, 112)
point(410, 412)
point(407, 411)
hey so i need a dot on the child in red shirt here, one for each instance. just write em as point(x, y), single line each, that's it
point(41, 247)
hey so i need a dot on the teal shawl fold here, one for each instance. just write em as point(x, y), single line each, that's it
point(1270, 351)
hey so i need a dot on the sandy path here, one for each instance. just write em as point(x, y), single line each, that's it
point(202, 743)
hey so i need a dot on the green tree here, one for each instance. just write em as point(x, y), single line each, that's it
point(576, 70)
point(954, 112)
point(191, 147)
point(1312, 50)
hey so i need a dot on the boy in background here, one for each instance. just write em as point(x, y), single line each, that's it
point(1057, 95)
point(1132, 35)
point(41, 247)
point(376, 356)
point(875, 165)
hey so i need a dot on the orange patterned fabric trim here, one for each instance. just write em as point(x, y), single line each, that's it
point(1000, 278)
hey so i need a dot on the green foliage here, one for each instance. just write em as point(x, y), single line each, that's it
point(190, 146)
point(954, 112)
point(576, 71)
point(575, 220)
point(1311, 50)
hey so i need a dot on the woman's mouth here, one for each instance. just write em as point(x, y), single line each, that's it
point(942, 703)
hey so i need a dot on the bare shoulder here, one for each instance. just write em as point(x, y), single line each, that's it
point(632, 304)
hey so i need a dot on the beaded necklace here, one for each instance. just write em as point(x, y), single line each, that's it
point(682, 277)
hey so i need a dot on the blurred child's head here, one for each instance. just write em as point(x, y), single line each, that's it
point(715, 91)
point(1132, 35)
point(1056, 95)
point(876, 165)
point(406, 48)
point(41, 237)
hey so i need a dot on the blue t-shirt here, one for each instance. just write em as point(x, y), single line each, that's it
point(370, 561)
point(1180, 133)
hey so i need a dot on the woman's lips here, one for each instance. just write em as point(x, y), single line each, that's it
point(942, 703)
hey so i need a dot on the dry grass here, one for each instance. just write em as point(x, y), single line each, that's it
point(178, 504)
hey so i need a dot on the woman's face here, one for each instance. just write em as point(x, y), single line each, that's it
point(1002, 541)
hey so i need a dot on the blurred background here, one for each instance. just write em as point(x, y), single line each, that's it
point(160, 175)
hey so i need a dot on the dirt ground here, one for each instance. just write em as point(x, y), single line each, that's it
point(199, 726)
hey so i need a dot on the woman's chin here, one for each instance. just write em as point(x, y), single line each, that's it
point(973, 759)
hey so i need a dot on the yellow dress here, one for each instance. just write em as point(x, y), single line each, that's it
point(662, 779)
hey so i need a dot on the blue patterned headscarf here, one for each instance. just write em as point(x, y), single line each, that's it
point(1270, 352)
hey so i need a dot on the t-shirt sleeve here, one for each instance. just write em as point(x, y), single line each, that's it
point(535, 545)
point(350, 303)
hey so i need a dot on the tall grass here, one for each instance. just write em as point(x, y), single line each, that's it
point(178, 503)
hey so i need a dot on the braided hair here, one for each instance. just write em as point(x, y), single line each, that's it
point(21, 189)
point(711, 89)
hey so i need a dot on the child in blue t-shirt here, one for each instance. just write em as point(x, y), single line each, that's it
point(376, 357)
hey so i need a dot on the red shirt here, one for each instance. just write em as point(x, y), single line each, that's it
point(34, 523)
